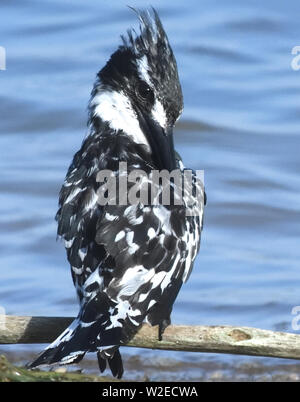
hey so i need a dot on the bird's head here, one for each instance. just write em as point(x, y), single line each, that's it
point(138, 91)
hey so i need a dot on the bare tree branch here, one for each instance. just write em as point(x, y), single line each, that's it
point(213, 339)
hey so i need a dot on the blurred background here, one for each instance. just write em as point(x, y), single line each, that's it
point(240, 124)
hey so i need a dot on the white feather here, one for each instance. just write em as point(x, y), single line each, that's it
point(159, 114)
point(115, 108)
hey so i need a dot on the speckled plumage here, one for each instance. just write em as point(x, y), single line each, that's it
point(128, 262)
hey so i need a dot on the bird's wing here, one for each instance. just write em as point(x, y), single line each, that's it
point(153, 249)
point(77, 219)
point(130, 258)
point(148, 247)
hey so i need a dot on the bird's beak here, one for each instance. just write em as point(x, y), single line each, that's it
point(160, 141)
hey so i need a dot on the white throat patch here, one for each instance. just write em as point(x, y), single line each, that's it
point(115, 108)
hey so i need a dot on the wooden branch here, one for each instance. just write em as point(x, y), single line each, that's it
point(213, 339)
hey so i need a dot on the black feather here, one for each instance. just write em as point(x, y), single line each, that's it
point(101, 362)
point(116, 365)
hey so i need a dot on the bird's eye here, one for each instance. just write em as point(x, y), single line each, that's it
point(145, 92)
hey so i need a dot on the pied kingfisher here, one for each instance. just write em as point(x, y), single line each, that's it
point(128, 262)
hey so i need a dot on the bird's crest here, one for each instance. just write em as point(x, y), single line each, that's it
point(153, 52)
point(152, 35)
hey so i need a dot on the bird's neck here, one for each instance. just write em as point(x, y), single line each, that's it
point(115, 110)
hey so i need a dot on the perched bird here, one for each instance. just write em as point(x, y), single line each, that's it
point(128, 261)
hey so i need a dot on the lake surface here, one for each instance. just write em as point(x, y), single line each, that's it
point(240, 124)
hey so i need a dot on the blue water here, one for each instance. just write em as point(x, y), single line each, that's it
point(240, 124)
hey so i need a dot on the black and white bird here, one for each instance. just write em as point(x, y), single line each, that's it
point(128, 262)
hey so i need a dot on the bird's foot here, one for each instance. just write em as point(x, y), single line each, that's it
point(162, 326)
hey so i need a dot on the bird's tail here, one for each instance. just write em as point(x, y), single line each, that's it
point(113, 358)
point(64, 350)
point(74, 342)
